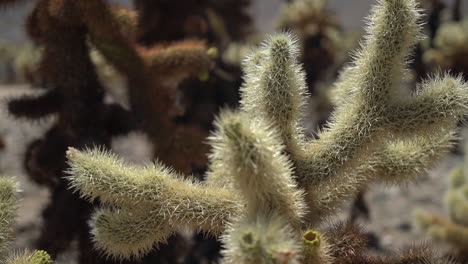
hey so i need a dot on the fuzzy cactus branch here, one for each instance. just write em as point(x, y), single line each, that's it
point(179, 60)
point(315, 248)
point(252, 155)
point(156, 188)
point(8, 200)
point(378, 70)
point(8, 204)
point(275, 87)
point(264, 173)
point(33, 106)
point(36, 257)
point(123, 233)
point(397, 161)
point(264, 239)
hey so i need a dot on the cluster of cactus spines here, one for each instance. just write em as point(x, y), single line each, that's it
point(35, 257)
point(253, 157)
point(8, 205)
point(454, 229)
point(264, 173)
point(261, 239)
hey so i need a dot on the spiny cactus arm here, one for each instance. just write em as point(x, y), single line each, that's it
point(106, 36)
point(126, 234)
point(178, 60)
point(36, 257)
point(8, 201)
point(251, 153)
point(343, 89)
point(346, 240)
point(262, 239)
point(148, 96)
point(41, 257)
point(396, 161)
point(275, 87)
point(456, 202)
point(438, 101)
point(98, 174)
point(35, 107)
point(315, 248)
point(392, 31)
point(441, 229)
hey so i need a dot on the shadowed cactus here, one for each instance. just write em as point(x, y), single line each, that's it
point(268, 184)
point(66, 31)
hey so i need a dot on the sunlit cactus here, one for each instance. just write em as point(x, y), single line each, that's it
point(8, 204)
point(35, 257)
point(267, 184)
point(8, 200)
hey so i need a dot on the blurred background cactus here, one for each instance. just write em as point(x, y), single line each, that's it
point(453, 229)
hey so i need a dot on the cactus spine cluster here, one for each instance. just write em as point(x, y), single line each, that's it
point(267, 184)
point(8, 204)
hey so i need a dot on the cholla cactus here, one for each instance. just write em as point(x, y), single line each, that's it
point(266, 181)
point(36, 257)
point(8, 201)
point(453, 230)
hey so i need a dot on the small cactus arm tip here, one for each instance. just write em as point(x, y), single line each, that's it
point(127, 234)
point(315, 248)
point(156, 190)
point(27, 257)
point(251, 154)
point(275, 88)
point(179, 60)
point(41, 257)
point(262, 239)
